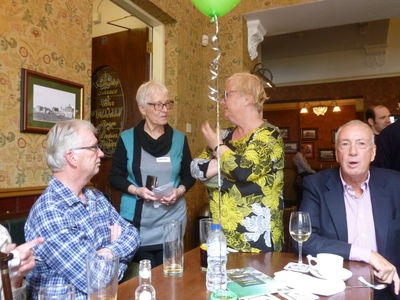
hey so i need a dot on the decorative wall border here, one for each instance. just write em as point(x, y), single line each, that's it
point(18, 192)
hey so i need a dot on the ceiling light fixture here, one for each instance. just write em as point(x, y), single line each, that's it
point(320, 110)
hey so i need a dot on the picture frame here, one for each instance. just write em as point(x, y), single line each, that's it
point(333, 134)
point(327, 154)
point(284, 133)
point(291, 147)
point(308, 150)
point(46, 100)
point(309, 134)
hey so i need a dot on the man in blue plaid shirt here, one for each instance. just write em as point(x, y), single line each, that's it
point(74, 220)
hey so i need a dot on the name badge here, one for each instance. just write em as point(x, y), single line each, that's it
point(163, 159)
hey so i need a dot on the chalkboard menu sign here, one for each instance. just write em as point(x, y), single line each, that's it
point(107, 108)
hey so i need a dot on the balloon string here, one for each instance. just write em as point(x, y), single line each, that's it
point(214, 96)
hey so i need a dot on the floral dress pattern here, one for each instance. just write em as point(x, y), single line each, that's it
point(251, 199)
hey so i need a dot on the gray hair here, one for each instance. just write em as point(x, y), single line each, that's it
point(149, 89)
point(356, 123)
point(61, 138)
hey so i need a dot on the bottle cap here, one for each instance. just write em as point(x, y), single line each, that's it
point(216, 226)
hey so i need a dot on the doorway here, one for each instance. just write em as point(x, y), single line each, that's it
point(120, 52)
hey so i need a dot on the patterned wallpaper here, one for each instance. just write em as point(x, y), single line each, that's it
point(54, 37)
point(51, 37)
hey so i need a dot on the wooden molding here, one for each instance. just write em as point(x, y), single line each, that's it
point(18, 192)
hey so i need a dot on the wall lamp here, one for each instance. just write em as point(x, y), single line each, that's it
point(336, 107)
point(304, 109)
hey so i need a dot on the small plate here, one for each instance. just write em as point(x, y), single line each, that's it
point(344, 274)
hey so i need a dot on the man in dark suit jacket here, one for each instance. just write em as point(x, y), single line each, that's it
point(388, 147)
point(355, 210)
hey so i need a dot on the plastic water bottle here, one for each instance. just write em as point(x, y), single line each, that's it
point(145, 291)
point(216, 278)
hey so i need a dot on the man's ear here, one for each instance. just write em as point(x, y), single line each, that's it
point(370, 121)
point(70, 158)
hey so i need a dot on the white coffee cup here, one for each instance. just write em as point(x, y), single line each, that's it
point(327, 265)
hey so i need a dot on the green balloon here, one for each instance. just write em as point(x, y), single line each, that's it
point(215, 8)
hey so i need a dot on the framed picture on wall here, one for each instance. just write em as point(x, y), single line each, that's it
point(291, 147)
point(327, 154)
point(333, 134)
point(284, 133)
point(46, 100)
point(308, 150)
point(309, 133)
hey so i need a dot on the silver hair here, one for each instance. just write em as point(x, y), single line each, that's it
point(61, 138)
point(356, 123)
point(149, 89)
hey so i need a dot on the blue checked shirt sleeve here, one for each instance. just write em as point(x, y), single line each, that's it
point(126, 245)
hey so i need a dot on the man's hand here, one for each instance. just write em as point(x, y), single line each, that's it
point(27, 260)
point(115, 232)
point(384, 271)
point(105, 252)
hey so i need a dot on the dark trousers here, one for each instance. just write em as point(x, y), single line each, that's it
point(154, 255)
point(385, 294)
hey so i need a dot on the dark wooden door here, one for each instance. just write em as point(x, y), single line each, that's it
point(126, 53)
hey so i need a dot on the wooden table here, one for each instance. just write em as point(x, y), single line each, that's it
point(192, 286)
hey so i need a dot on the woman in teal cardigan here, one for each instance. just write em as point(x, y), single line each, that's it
point(152, 148)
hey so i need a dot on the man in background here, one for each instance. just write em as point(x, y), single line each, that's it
point(303, 169)
point(74, 220)
point(378, 117)
point(388, 146)
point(355, 209)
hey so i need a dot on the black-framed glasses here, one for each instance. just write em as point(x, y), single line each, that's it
point(160, 106)
point(94, 147)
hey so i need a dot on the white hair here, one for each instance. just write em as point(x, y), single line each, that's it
point(61, 138)
point(149, 89)
point(355, 123)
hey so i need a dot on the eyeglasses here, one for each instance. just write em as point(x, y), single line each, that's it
point(160, 106)
point(345, 145)
point(94, 147)
point(227, 93)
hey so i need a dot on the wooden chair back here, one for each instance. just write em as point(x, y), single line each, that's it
point(286, 218)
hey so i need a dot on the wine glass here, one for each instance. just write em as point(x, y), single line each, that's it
point(300, 230)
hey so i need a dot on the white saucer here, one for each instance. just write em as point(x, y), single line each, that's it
point(344, 274)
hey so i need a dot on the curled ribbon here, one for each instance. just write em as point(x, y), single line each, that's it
point(214, 65)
